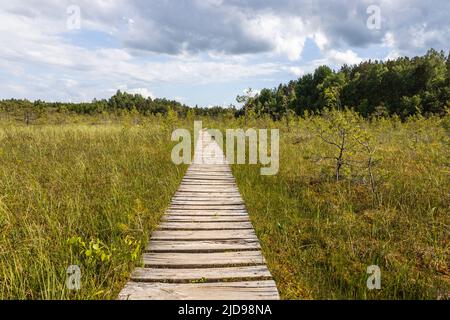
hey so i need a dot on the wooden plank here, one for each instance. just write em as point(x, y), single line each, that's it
point(203, 245)
point(203, 235)
point(210, 202)
point(199, 207)
point(207, 194)
point(199, 200)
point(199, 174)
point(215, 168)
point(249, 290)
point(246, 273)
point(216, 171)
point(205, 225)
point(203, 198)
point(203, 183)
point(206, 212)
point(208, 186)
point(210, 178)
point(212, 191)
point(225, 182)
point(207, 179)
point(209, 171)
point(201, 260)
point(217, 184)
point(207, 189)
point(200, 219)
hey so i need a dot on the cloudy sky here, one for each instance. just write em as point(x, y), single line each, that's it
point(201, 52)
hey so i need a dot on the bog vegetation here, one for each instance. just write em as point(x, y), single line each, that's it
point(363, 181)
point(80, 194)
point(352, 193)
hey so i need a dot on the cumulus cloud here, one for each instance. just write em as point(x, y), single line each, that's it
point(297, 71)
point(336, 57)
point(244, 26)
point(281, 26)
point(142, 91)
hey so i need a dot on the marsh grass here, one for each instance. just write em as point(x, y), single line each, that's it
point(319, 236)
point(79, 194)
point(88, 190)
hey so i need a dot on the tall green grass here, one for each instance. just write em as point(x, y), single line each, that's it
point(319, 236)
point(79, 194)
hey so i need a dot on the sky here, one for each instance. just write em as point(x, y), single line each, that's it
point(199, 52)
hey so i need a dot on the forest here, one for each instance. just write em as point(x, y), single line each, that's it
point(402, 87)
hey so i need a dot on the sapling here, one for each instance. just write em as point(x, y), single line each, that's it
point(338, 129)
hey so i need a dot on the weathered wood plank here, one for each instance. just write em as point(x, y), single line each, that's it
point(204, 184)
point(217, 187)
point(211, 202)
point(250, 290)
point(208, 189)
point(211, 168)
point(199, 184)
point(216, 184)
point(204, 235)
point(208, 212)
point(203, 198)
point(210, 192)
point(205, 226)
point(207, 209)
point(203, 245)
point(209, 180)
point(246, 273)
point(207, 194)
point(203, 219)
point(209, 174)
point(205, 179)
point(217, 180)
point(201, 260)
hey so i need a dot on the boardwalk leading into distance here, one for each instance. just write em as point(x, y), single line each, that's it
point(205, 248)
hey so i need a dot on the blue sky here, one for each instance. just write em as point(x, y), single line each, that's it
point(202, 52)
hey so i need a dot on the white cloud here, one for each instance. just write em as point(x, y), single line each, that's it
point(287, 34)
point(70, 83)
point(321, 40)
point(336, 57)
point(297, 71)
point(142, 91)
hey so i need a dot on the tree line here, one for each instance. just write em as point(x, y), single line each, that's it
point(121, 102)
point(403, 87)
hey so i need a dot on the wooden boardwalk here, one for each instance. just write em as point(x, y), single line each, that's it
point(206, 247)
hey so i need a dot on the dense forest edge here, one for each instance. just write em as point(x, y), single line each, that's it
point(403, 87)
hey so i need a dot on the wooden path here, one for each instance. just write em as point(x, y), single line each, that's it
point(206, 247)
